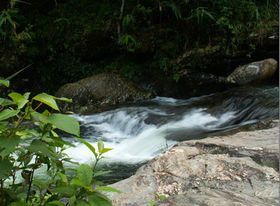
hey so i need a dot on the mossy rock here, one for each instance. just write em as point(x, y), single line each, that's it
point(101, 91)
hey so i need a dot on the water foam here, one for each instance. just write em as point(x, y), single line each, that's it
point(135, 141)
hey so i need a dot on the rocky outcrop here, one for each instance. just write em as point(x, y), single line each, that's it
point(100, 92)
point(253, 72)
point(238, 169)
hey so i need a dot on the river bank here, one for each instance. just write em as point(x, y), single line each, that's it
point(236, 169)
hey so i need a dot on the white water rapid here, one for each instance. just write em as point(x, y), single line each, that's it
point(140, 132)
point(132, 139)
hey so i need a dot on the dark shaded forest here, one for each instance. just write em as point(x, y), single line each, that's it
point(146, 41)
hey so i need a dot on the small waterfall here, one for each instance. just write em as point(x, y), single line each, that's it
point(140, 132)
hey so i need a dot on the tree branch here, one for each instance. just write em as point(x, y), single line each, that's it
point(121, 18)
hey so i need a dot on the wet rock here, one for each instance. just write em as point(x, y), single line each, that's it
point(238, 169)
point(100, 92)
point(254, 72)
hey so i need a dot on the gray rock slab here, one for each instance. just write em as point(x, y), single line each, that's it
point(237, 169)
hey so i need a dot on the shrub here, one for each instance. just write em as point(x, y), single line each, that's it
point(29, 143)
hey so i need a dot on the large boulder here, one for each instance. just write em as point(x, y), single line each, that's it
point(100, 92)
point(238, 169)
point(253, 72)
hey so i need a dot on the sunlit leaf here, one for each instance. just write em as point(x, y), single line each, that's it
point(106, 150)
point(47, 99)
point(64, 99)
point(5, 82)
point(100, 145)
point(39, 117)
point(65, 123)
point(6, 102)
point(8, 113)
point(88, 145)
point(19, 99)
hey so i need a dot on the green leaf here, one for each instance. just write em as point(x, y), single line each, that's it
point(38, 146)
point(85, 174)
point(88, 145)
point(63, 190)
point(65, 123)
point(3, 126)
point(41, 184)
point(98, 199)
point(19, 204)
point(100, 145)
point(26, 95)
point(5, 82)
point(64, 99)
point(72, 200)
point(6, 102)
point(27, 133)
point(107, 189)
point(175, 8)
point(82, 203)
point(8, 145)
point(39, 117)
point(8, 113)
point(55, 203)
point(54, 134)
point(79, 183)
point(106, 150)
point(5, 168)
point(47, 99)
point(19, 99)
point(63, 178)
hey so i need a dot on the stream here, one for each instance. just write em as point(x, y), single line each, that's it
point(139, 132)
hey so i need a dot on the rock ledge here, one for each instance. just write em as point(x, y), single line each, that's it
point(238, 169)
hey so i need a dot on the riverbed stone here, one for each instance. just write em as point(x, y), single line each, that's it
point(254, 72)
point(100, 92)
point(236, 169)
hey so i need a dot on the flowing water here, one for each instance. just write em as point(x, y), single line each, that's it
point(140, 132)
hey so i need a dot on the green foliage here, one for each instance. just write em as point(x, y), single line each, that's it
point(201, 14)
point(128, 20)
point(29, 143)
point(174, 7)
point(128, 41)
point(4, 82)
point(6, 20)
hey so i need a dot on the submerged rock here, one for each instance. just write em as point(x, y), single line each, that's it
point(238, 169)
point(253, 72)
point(99, 92)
